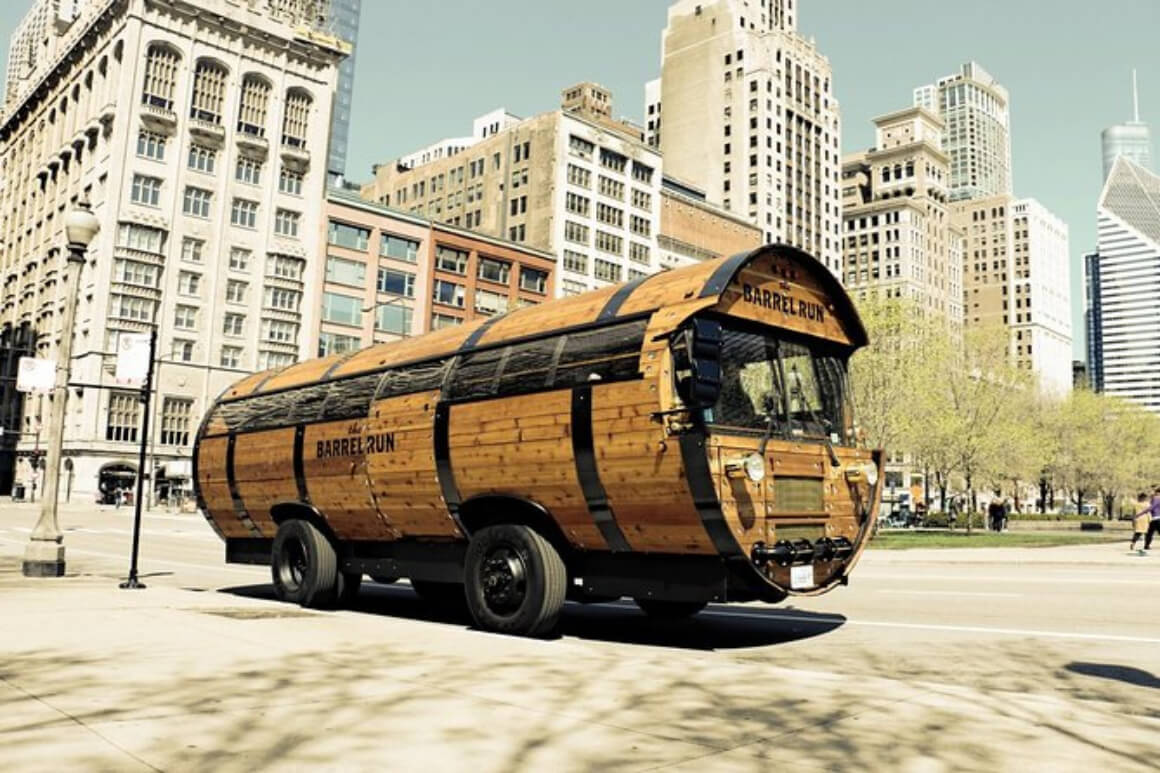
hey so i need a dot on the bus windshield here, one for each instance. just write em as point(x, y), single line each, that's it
point(764, 378)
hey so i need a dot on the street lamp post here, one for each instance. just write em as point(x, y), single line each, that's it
point(44, 555)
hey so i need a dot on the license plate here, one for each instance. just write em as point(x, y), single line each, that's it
point(801, 577)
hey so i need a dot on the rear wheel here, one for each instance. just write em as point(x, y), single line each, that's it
point(515, 581)
point(304, 565)
point(670, 610)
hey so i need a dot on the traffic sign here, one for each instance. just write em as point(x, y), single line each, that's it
point(35, 375)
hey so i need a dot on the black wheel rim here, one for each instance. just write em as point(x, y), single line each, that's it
point(503, 576)
point(293, 565)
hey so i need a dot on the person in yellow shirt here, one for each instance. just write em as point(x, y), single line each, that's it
point(1140, 521)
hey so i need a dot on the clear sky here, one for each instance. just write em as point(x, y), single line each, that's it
point(427, 67)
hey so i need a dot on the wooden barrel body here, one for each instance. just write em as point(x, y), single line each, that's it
point(572, 410)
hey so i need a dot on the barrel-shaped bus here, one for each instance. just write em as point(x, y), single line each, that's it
point(683, 438)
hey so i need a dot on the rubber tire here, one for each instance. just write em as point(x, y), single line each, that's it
point(670, 610)
point(347, 588)
point(440, 594)
point(318, 588)
point(383, 579)
point(547, 581)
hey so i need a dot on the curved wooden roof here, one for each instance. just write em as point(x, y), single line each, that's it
point(687, 290)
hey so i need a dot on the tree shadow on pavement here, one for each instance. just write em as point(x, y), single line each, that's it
point(618, 622)
point(1128, 674)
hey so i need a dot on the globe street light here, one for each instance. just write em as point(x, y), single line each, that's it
point(44, 555)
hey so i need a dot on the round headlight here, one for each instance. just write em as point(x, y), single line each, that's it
point(871, 474)
point(755, 467)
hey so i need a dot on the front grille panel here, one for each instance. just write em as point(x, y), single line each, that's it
point(798, 495)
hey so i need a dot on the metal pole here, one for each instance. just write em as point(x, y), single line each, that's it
point(35, 465)
point(44, 556)
point(146, 391)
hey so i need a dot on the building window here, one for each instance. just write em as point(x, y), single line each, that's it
point(580, 147)
point(231, 357)
point(392, 318)
point(579, 176)
point(239, 259)
point(612, 160)
point(189, 283)
point(642, 200)
point(271, 360)
point(236, 291)
point(342, 309)
point(349, 236)
point(185, 318)
point(346, 272)
point(494, 270)
point(244, 213)
point(296, 118)
point(191, 249)
point(175, 416)
point(452, 260)
point(209, 89)
point(572, 287)
point(196, 202)
point(575, 261)
point(151, 145)
point(279, 331)
point(141, 237)
point(609, 215)
point(609, 272)
point(131, 307)
point(396, 282)
point(336, 343)
point(160, 76)
point(440, 321)
point(449, 293)
point(132, 272)
point(202, 159)
point(640, 226)
point(611, 188)
point(286, 223)
point(533, 280)
point(574, 232)
point(641, 172)
point(123, 418)
point(282, 299)
point(233, 324)
point(146, 190)
point(399, 248)
point(252, 110)
point(290, 182)
point(606, 242)
point(182, 350)
point(577, 204)
point(248, 171)
point(517, 233)
point(488, 302)
point(638, 253)
point(284, 267)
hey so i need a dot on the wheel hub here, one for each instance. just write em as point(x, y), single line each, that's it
point(503, 577)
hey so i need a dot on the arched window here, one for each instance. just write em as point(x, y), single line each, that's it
point(209, 91)
point(296, 118)
point(160, 76)
point(255, 100)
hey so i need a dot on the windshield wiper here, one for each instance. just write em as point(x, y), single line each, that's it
point(798, 391)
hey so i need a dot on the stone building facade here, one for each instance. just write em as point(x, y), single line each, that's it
point(198, 132)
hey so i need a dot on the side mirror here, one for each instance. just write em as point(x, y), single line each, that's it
point(699, 353)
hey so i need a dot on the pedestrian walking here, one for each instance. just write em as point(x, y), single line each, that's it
point(1154, 520)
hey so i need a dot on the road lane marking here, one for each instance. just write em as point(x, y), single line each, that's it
point(830, 620)
point(1068, 580)
point(949, 593)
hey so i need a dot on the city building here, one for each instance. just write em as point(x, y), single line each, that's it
point(977, 137)
point(692, 229)
point(750, 117)
point(1016, 274)
point(573, 182)
point(198, 132)
point(1133, 139)
point(391, 274)
point(1092, 318)
point(344, 18)
point(1124, 279)
point(899, 241)
point(652, 109)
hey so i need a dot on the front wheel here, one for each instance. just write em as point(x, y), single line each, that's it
point(304, 565)
point(515, 581)
point(670, 610)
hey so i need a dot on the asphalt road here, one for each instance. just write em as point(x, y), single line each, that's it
point(987, 659)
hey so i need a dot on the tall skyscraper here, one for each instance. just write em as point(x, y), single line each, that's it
point(1093, 322)
point(898, 238)
point(205, 165)
point(1125, 281)
point(974, 108)
point(1132, 140)
point(751, 118)
point(344, 19)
